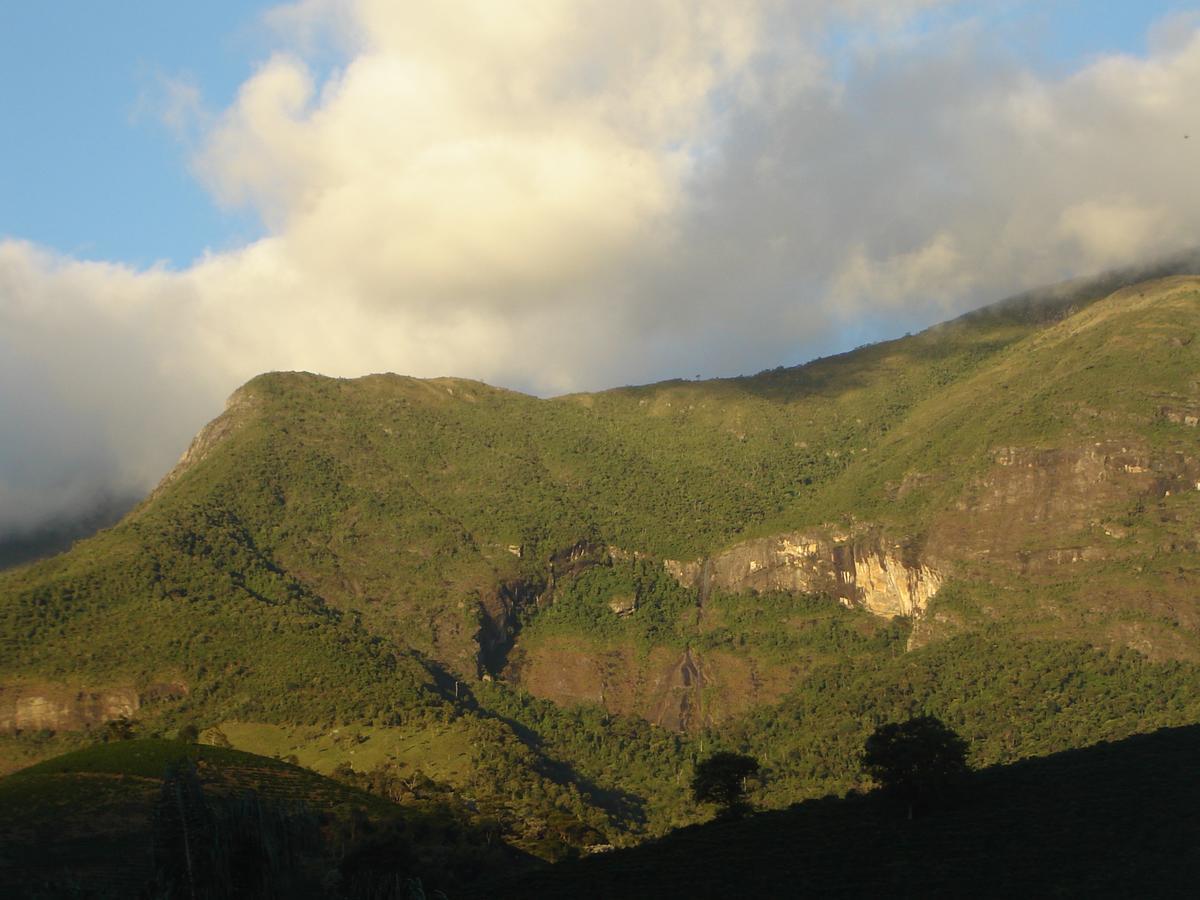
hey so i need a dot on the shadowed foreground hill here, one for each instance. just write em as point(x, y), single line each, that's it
point(1111, 820)
point(122, 819)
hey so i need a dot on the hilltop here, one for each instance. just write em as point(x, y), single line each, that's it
point(546, 609)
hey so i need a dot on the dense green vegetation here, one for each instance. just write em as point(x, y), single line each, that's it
point(396, 499)
point(551, 779)
point(1009, 699)
point(653, 606)
point(637, 771)
point(323, 577)
point(790, 628)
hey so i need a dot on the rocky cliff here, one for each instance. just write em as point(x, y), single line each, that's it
point(51, 708)
point(211, 436)
point(61, 707)
point(682, 690)
point(880, 577)
point(1031, 473)
point(1036, 507)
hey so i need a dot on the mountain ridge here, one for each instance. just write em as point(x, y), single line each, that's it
point(574, 595)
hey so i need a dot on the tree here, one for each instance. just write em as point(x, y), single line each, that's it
point(721, 779)
point(918, 762)
point(122, 728)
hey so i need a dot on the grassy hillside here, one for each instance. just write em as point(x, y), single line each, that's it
point(392, 578)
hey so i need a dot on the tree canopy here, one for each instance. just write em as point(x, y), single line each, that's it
point(721, 779)
point(917, 761)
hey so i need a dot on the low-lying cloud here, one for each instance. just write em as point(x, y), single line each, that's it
point(583, 194)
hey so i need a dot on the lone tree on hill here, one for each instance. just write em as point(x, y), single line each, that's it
point(918, 762)
point(721, 779)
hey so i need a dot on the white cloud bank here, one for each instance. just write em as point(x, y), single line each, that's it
point(558, 195)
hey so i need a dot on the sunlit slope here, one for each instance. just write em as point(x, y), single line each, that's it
point(336, 564)
point(1123, 370)
point(403, 501)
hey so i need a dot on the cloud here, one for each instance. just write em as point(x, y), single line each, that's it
point(931, 178)
point(1106, 230)
point(181, 107)
point(935, 271)
point(99, 378)
point(558, 196)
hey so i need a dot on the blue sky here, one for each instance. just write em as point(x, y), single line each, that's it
point(1076, 29)
point(88, 169)
point(87, 166)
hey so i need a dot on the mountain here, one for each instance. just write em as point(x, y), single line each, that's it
point(548, 608)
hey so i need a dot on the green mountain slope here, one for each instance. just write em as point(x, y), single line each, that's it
point(548, 608)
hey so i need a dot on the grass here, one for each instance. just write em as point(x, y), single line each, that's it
point(442, 752)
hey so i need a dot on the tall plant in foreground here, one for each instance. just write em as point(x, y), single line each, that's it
point(721, 779)
point(918, 762)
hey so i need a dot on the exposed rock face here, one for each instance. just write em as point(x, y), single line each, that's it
point(500, 608)
point(623, 605)
point(1189, 416)
point(1034, 510)
point(678, 701)
point(1032, 500)
point(873, 575)
point(58, 707)
point(62, 709)
point(500, 621)
point(211, 435)
point(887, 586)
point(575, 559)
point(681, 691)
